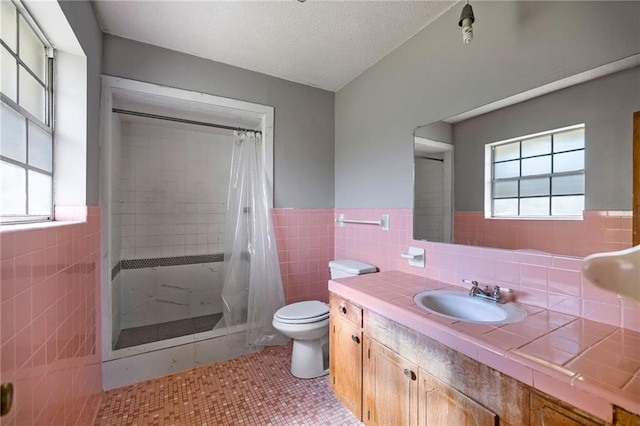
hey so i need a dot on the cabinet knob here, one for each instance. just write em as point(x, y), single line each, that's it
point(409, 374)
point(342, 309)
point(355, 338)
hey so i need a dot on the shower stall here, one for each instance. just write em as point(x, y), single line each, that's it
point(165, 175)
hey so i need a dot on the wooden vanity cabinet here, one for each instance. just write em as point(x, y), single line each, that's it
point(545, 411)
point(623, 417)
point(390, 387)
point(345, 353)
point(396, 392)
point(440, 404)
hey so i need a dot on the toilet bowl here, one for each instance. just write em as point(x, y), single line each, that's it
point(307, 323)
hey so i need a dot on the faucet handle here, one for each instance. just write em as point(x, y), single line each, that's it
point(498, 291)
point(472, 282)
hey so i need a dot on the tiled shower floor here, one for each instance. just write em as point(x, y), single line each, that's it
point(167, 330)
point(255, 389)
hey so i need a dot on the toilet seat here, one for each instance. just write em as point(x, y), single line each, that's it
point(302, 312)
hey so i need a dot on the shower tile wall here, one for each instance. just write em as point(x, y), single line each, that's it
point(174, 189)
point(174, 185)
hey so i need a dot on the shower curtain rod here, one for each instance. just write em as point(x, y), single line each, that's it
point(181, 120)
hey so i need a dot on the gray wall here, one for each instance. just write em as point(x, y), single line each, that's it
point(87, 30)
point(304, 116)
point(518, 46)
point(438, 131)
point(605, 106)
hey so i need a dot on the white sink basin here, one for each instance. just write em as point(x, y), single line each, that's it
point(460, 306)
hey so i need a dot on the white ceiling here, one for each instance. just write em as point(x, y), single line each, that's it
point(319, 42)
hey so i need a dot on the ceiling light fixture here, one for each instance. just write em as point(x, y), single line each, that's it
point(466, 19)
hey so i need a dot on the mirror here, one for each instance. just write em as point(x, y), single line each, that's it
point(605, 105)
point(433, 191)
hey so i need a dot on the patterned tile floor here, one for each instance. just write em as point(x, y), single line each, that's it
point(255, 389)
point(167, 330)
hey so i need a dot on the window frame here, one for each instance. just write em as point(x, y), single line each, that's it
point(47, 125)
point(490, 179)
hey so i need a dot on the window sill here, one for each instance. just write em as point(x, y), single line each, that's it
point(12, 227)
point(541, 218)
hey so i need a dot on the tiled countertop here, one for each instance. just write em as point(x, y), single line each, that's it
point(588, 364)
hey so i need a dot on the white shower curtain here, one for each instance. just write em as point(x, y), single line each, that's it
point(252, 291)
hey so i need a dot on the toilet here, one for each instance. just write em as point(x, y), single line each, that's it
point(307, 323)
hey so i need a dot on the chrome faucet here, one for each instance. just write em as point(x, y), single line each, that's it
point(486, 294)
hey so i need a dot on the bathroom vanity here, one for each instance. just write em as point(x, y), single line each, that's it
point(393, 363)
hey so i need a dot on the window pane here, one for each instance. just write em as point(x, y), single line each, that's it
point(9, 79)
point(8, 34)
point(565, 141)
point(31, 49)
point(536, 146)
point(39, 193)
point(508, 169)
point(536, 166)
point(40, 148)
point(525, 181)
point(31, 94)
point(532, 187)
point(13, 137)
point(534, 206)
point(568, 185)
point(567, 206)
point(568, 161)
point(13, 193)
point(505, 152)
point(504, 189)
point(505, 207)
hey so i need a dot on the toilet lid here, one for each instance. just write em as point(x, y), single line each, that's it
point(303, 312)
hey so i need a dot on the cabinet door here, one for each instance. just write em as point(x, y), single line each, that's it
point(390, 386)
point(623, 417)
point(545, 412)
point(345, 363)
point(440, 404)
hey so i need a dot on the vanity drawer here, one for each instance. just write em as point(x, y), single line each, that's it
point(346, 310)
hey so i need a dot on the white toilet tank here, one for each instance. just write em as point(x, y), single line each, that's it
point(341, 268)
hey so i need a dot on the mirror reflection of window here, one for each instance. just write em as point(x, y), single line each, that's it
point(537, 176)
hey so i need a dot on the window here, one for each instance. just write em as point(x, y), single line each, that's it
point(540, 175)
point(26, 138)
